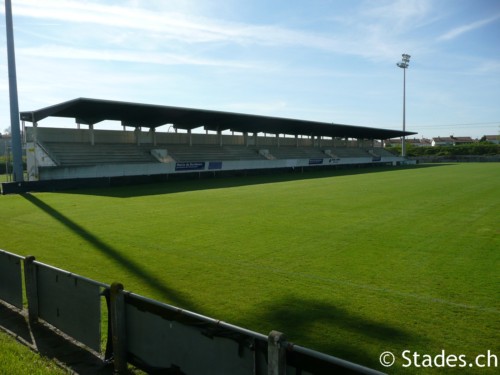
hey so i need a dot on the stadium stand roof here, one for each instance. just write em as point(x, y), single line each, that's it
point(92, 111)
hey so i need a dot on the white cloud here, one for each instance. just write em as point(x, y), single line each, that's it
point(323, 60)
point(458, 31)
point(62, 52)
point(140, 29)
point(399, 14)
point(167, 25)
point(489, 67)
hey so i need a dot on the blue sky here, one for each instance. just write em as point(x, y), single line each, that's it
point(324, 60)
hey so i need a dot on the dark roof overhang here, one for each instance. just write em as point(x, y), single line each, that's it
point(92, 111)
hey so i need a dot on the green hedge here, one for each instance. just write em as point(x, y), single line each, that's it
point(2, 165)
point(481, 148)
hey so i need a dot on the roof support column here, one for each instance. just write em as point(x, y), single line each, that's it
point(33, 173)
point(319, 141)
point(190, 137)
point(219, 137)
point(296, 141)
point(153, 136)
point(278, 140)
point(91, 134)
point(35, 131)
point(23, 131)
point(256, 141)
point(245, 138)
point(137, 135)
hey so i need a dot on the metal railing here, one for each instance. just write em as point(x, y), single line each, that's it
point(151, 335)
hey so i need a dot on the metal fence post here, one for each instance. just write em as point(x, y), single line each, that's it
point(117, 302)
point(30, 280)
point(276, 350)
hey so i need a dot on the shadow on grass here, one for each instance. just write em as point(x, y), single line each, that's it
point(205, 181)
point(39, 338)
point(109, 251)
point(303, 320)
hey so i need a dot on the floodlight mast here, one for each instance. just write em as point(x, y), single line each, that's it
point(404, 65)
point(17, 150)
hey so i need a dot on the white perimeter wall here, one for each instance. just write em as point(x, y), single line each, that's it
point(41, 167)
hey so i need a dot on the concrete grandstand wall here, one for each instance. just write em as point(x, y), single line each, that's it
point(47, 162)
point(145, 137)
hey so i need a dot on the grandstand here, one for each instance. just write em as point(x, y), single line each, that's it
point(223, 141)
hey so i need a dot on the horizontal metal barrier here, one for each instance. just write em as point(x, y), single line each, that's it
point(11, 289)
point(151, 335)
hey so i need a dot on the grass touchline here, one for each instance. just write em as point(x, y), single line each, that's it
point(350, 263)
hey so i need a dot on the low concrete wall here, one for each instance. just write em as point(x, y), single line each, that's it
point(457, 159)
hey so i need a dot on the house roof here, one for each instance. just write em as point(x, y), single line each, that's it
point(442, 139)
point(93, 111)
point(453, 139)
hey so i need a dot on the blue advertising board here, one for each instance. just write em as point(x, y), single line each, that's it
point(215, 165)
point(315, 161)
point(190, 166)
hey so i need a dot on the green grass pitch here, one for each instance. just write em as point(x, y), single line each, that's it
point(18, 359)
point(351, 263)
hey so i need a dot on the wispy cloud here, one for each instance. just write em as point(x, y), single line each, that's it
point(70, 53)
point(138, 29)
point(163, 24)
point(399, 15)
point(321, 60)
point(458, 31)
point(169, 24)
point(381, 30)
point(488, 67)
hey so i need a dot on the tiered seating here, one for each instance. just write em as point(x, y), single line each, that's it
point(350, 152)
point(79, 154)
point(292, 152)
point(243, 153)
point(383, 152)
point(211, 152)
point(75, 154)
point(127, 153)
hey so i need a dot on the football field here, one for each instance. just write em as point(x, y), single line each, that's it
point(350, 262)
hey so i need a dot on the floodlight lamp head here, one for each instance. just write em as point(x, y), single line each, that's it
point(405, 62)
